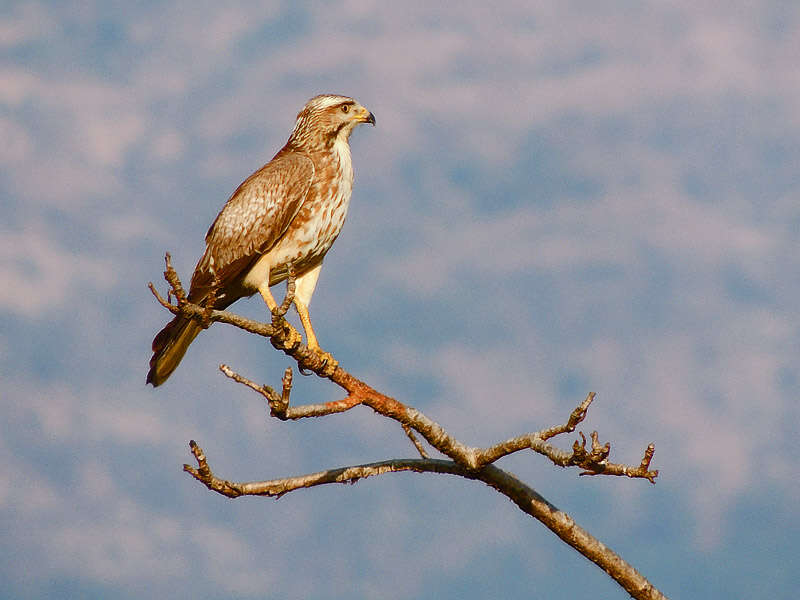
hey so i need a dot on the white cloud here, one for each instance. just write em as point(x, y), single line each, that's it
point(27, 22)
point(17, 145)
point(168, 145)
point(40, 275)
point(16, 85)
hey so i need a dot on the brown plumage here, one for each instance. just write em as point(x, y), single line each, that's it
point(288, 213)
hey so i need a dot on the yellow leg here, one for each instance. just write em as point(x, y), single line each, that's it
point(311, 339)
point(304, 289)
point(267, 296)
point(293, 336)
point(329, 363)
point(302, 297)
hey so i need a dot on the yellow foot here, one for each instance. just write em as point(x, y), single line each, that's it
point(293, 337)
point(329, 363)
point(288, 338)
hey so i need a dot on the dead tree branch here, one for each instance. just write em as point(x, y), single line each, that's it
point(465, 461)
point(525, 497)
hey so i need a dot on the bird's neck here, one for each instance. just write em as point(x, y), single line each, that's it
point(330, 155)
point(340, 153)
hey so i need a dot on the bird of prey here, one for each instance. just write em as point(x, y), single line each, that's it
point(284, 217)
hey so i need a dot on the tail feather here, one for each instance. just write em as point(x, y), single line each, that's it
point(169, 346)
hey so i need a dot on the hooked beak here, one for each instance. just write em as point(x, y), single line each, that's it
point(367, 117)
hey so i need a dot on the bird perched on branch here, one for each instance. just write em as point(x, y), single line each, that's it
point(284, 217)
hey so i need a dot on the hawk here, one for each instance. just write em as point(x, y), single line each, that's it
point(284, 217)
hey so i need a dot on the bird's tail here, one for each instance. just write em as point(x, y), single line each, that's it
point(169, 346)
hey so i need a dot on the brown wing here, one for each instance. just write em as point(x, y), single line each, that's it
point(253, 219)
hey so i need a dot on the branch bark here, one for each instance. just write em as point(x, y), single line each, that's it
point(465, 461)
point(525, 497)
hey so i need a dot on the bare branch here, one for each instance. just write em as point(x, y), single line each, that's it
point(174, 281)
point(594, 462)
point(285, 338)
point(415, 441)
point(642, 471)
point(279, 404)
point(209, 302)
point(575, 418)
point(279, 487)
point(165, 303)
point(288, 298)
point(264, 390)
point(198, 313)
point(525, 497)
point(466, 461)
point(570, 532)
point(203, 473)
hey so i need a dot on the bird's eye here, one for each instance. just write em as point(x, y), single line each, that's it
point(345, 108)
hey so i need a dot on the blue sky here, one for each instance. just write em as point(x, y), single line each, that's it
point(558, 198)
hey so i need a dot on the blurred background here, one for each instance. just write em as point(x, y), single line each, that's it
point(559, 197)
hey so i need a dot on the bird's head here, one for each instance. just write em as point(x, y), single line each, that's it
point(328, 118)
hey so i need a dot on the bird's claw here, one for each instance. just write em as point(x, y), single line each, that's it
point(293, 337)
point(287, 337)
point(329, 364)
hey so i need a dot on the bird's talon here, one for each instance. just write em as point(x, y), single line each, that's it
point(329, 363)
point(287, 337)
point(293, 339)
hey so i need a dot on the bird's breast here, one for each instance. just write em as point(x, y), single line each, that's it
point(321, 217)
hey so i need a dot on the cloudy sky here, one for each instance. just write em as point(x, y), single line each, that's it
point(559, 197)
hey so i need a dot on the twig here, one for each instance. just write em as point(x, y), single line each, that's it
point(594, 462)
point(279, 404)
point(289, 297)
point(415, 441)
point(284, 337)
point(174, 281)
point(525, 497)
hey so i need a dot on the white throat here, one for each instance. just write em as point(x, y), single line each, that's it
point(341, 150)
